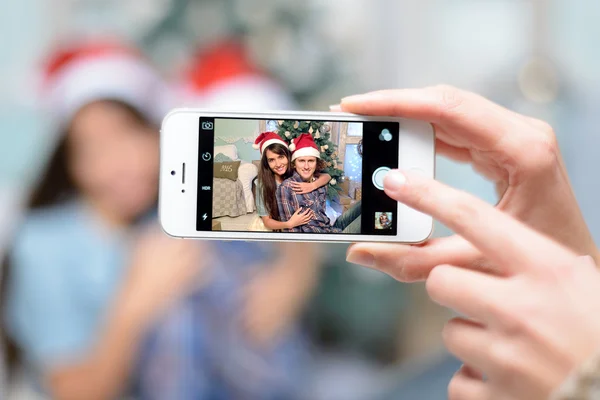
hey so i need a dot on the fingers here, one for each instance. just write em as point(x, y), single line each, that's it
point(413, 263)
point(471, 293)
point(454, 153)
point(466, 386)
point(482, 123)
point(503, 240)
point(466, 339)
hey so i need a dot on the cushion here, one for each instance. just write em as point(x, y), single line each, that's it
point(227, 170)
point(228, 150)
point(222, 158)
point(246, 174)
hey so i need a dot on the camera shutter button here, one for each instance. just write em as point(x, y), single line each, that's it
point(379, 175)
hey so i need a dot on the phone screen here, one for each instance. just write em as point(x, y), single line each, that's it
point(318, 176)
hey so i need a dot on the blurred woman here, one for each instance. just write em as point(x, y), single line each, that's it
point(87, 274)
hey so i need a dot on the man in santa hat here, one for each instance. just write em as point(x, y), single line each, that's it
point(306, 161)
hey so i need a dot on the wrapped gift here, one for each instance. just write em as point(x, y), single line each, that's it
point(354, 185)
point(358, 194)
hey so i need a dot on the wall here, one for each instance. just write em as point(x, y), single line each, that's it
point(241, 133)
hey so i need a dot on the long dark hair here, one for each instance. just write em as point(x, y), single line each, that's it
point(55, 186)
point(266, 178)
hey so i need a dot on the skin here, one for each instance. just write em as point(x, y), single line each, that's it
point(307, 187)
point(114, 163)
point(275, 298)
point(519, 154)
point(525, 326)
point(306, 167)
point(519, 271)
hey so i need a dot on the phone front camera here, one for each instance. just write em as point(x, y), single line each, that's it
point(172, 172)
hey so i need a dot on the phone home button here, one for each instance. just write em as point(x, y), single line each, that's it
point(378, 176)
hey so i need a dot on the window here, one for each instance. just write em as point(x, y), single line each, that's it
point(272, 125)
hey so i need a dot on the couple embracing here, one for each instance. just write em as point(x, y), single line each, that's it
point(291, 192)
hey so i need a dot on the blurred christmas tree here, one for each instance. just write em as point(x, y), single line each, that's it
point(290, 129)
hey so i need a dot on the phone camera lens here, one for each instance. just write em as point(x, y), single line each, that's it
point(183, 191)
point(172, 172)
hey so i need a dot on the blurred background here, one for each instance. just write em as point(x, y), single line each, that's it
point(369, 336)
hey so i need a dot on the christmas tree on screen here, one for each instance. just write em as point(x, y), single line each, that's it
point(290, 129)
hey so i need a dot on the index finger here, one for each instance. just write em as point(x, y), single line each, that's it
point(503, 239)
point(482, 123)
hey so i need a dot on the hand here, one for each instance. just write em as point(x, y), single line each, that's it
point(529, 323)
point(518, 153)
point(301, 218)
point(304, 187)
point(269, 306)
point(163, 270)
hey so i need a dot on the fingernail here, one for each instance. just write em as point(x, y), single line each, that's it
point(335, 107)
point(352, 99)
point(394, 181)
point(361, 258)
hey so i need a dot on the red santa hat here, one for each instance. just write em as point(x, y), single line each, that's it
point(304, 146)
point(223, 77)
point(266, 139)
point(86, 72)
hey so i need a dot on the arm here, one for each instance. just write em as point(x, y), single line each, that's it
point(323, 180)
point(305, 187)
point(288, 204)
point(103, 372)
point(274, 224)
point(277, 296)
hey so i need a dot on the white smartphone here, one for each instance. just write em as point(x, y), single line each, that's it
point(290, 176)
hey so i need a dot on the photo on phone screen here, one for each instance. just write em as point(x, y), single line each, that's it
point(317, 176)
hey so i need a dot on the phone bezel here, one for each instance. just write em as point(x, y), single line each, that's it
point(178, 202)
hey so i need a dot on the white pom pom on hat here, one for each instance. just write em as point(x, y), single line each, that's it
point(224, 76)
point(84, 72)
point(266, 139)
point(305, 146)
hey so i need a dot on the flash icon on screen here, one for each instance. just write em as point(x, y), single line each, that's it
point(204, 217)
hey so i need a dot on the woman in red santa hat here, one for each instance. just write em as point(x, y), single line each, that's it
point(88, 272)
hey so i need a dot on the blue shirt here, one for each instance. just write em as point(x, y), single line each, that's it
point(66, 268)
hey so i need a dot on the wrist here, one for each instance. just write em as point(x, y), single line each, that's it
point(582, 382)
